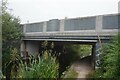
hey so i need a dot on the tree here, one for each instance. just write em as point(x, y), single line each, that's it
point(10, 36)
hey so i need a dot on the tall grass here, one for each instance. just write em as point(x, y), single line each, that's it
point(1, 75)
point(45, 66)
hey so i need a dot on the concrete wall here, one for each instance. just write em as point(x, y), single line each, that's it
point(32, 47)
point(110, 22)
point(95, 23)
point(53, 25)
point(80, 24)
point(35, 27)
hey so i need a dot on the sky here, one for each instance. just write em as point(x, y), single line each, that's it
point(43, 10)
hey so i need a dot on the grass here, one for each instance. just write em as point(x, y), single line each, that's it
point(70, 73)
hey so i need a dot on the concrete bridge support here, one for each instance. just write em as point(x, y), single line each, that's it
point(29, 47)
point(32, 47)
point(23, 48)
point(97, 54)
point(93, 56)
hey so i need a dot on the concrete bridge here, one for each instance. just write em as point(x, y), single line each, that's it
point(81, 30)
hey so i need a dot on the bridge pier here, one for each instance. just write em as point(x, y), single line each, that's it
point(23, 48)
point(97, 54)
point(93, 56)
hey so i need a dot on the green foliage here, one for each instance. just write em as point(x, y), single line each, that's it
point(85, 50)
point(109, 60)
point(71, 53)
point(10, 36)
point(95, 74)
point(69, 73)
point(14, 63)
point(77, 51)
point(65, 72)
point(45, 67)
point(72, 74)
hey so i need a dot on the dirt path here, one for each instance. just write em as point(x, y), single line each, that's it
point(82, 67)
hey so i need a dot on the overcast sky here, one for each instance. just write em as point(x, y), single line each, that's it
point(42, 10)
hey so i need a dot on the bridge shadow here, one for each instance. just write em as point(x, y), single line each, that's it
point(87, 60)
point(83, 66)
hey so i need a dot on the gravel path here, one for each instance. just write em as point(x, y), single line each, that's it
point(82, 67)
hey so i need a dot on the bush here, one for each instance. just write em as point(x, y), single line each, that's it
point(109, 60)
point(43, 67)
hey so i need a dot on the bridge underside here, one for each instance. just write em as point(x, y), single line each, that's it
point(31, 46)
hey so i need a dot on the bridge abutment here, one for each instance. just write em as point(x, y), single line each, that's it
point(29, 47)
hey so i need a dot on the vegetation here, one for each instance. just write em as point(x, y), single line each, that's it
point(75, 52)
point(10, 37)
point(10, 58)
point(45, 66)
point(69, 73)
point(13, 64)
point(71, 53)
point(109, 60)
point(78, 50)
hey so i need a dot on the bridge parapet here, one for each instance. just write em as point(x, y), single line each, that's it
point(102, 24)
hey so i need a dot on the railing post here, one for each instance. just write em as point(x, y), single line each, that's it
point(45, 26)
point(62, 25)
point(99, 23)
point(24, 28)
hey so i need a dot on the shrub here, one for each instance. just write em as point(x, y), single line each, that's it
point(109, 60)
